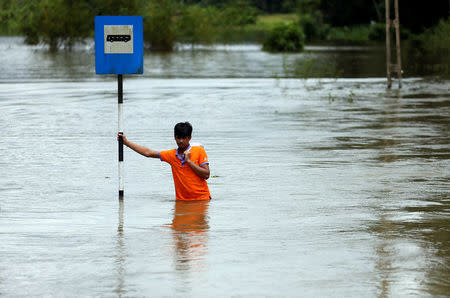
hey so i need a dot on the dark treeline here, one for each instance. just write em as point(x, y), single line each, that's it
point(416, 15)
point(64, 22)
point(265, 6)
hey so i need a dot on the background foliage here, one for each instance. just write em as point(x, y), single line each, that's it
point(61, 23)
point(285, 38)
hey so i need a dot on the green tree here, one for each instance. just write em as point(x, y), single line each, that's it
point(285, 38)
point(64, 22)
point(160, 28)
point(238, 13)
point(414, 14)
point(311, 19)
point(117, 7)
point(57, 28)
point(196, 24)
point(7, 16)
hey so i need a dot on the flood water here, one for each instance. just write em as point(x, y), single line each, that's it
point(322, 186)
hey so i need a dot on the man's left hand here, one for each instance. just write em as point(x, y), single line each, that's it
point(187, 156)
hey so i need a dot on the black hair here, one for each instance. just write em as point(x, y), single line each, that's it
point(183, 130)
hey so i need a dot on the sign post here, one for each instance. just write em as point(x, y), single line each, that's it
point(119, 50)
point(120, 121)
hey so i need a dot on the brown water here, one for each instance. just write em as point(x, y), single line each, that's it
point(321, 187)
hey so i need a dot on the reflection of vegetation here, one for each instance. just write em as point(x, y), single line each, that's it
point(304, 69)
point(351, 96)
point(331, 98)
point(309, 66)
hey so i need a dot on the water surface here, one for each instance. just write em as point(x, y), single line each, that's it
point(321, 186)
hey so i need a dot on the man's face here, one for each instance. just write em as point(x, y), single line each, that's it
point(182, 143)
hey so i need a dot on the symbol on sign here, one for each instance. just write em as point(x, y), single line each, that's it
point(118, 39)
point(113, 38)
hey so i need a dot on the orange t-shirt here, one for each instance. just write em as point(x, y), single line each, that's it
point(188, 185)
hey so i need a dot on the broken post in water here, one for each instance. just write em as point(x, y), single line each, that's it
point(390, 68)
point(119, 50)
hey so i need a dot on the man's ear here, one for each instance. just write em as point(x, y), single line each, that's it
point(189, 138)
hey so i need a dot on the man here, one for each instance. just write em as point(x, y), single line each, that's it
point(190, 166)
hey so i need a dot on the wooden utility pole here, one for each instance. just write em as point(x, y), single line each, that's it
point(392, 68)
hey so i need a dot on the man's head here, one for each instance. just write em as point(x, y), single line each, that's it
point(183, 134)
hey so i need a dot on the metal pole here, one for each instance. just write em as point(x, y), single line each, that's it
point(397, 39)
point(388, 43)
point(120, 102)
point(120, 227)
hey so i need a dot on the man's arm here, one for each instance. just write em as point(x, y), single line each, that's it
point(201, 171)
point(138, 148)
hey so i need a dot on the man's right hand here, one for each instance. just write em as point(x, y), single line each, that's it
point(138, 148)
point(124, 138)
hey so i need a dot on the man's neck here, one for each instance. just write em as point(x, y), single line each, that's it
point(181, 151)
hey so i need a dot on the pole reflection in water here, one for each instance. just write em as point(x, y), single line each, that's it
point(120, 258)
point(190, 233)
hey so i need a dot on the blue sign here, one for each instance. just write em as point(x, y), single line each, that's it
point(119, 45)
